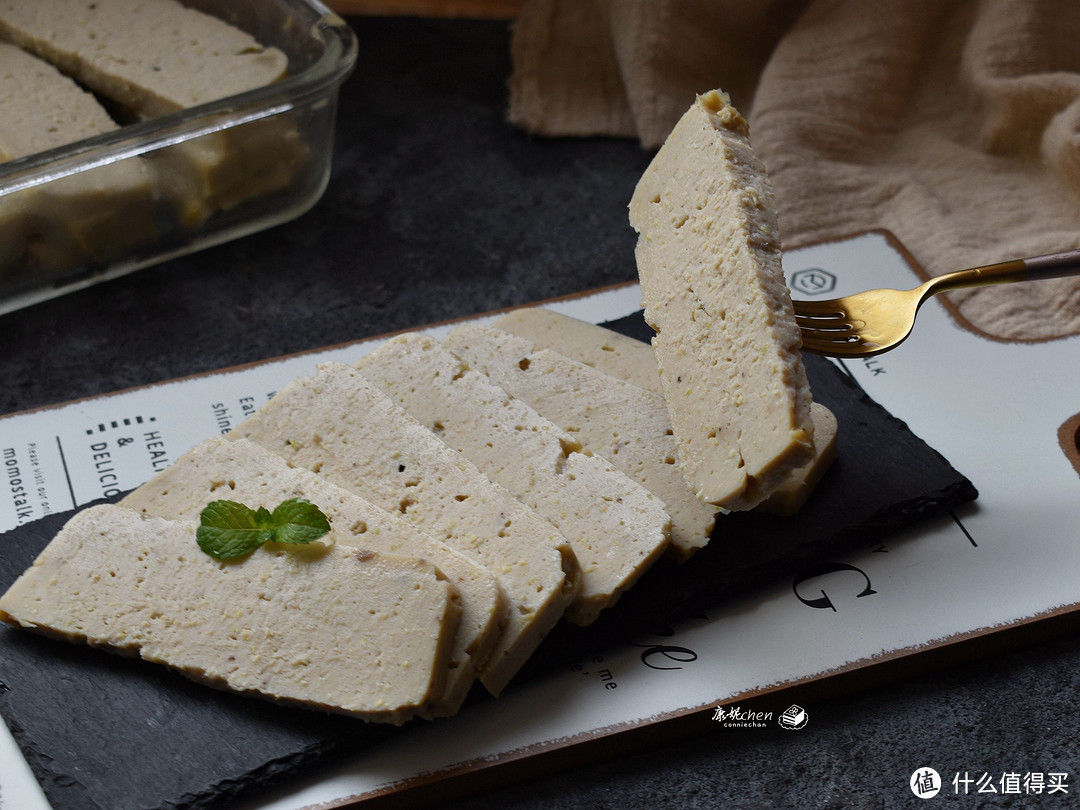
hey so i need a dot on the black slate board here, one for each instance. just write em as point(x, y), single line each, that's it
point(102, 731)
point(884, 478)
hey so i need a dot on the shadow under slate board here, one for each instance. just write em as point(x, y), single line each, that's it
point(103, 731)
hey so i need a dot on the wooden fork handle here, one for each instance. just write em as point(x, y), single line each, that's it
point(1036, 268)
point(1054, 265)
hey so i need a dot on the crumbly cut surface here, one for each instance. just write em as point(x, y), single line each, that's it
point(250, 474)
point(341, 426)
point(350, 631)
point(152, 56)
point(616, 527)
point(726, 343)
point(622, 422)
point(635, 362)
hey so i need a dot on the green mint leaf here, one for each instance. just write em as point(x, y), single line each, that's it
point(223, 544)
point(228, 529)
point(299, 521)
point(227, 515)
point(263, 518)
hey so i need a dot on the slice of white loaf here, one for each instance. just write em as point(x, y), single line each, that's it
point(85, 217)
point(152, 56)
point(334, 628)
point(634, 361)
point(622, 422)
point(604, 349)
point(245, 472)
point(616, 527)
point(42, 107)
point(792, 495)
point(342, 427)
point(726, 343)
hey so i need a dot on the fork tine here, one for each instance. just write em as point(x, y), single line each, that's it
point(833, 329)
point(826, 328)
point(818, 309)
point(830, 325)
point(837, 348)
point(826, 344)
point(820, 317)
point(839, 344)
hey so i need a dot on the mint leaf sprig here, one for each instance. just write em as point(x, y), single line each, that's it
point(229, 529)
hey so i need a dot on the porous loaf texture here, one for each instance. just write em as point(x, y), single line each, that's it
point(616, 527)
point(245, 472)
point(635, 362)
point(339, 629)
point(622, 422)
point(343, 427)
point(727, 347)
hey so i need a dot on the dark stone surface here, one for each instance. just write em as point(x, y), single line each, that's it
point(437, 209)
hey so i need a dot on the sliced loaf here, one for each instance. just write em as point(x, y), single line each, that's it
point(334, 628)
point(604, 349)
point(86, 217)
point(343, 427)
point(616, 527)
point(152, 56)
point(622, 422)
point(726, 343)
point(634, 361)
point(245, 472)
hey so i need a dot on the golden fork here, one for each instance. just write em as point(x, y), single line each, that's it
point(876, 321)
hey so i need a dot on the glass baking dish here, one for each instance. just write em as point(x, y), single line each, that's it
point(153, 190)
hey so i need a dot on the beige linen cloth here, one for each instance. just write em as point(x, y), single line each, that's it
point(954, 124)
